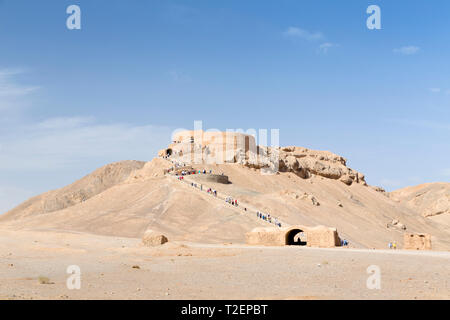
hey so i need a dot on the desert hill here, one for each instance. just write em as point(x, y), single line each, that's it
point(431, 199)
point(311, 188)
point(79, 191)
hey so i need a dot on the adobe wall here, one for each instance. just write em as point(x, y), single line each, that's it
point(320, 236)
point(413, 241)
point(265, 237)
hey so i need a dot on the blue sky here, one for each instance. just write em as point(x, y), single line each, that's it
point(74, 100)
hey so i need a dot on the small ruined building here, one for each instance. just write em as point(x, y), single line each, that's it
point(412, 241)
point(320, 236)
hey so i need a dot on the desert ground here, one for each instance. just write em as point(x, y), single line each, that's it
point(98, 223)
point(122, 268)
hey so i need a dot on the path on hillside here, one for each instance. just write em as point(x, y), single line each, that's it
point(240, 208)
point(250, 209)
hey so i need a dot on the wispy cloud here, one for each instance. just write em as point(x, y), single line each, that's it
point(60, 143)
point(179, 76)
point(10, 90)
point(435, 90)
point(407, 50)
point(446, 172)
point(65, 122)
point(324, 47)
point(60, 150)
point(294, 32)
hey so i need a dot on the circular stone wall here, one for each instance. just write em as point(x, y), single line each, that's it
point(217, 178)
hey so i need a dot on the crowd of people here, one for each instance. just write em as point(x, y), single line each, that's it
point(213, 192)
point(267, 217)
point(234, 202)
point(231, 201)
point(187, 172)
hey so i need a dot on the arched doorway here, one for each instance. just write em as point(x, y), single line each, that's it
point(296, 237)
point(169, 152)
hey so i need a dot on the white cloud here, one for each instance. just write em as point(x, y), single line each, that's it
point(65, 122)
point(407, 50)
point(294, 32)
point(324, 47)
point(11, 92)
point(435, 90)
point(38, 157)
point(61, 143)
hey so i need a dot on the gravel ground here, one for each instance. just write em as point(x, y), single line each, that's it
point(120, 268)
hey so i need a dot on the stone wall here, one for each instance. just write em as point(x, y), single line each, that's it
point(320, 236)
point(216, 178)
point(266, 237)
point(413, 241)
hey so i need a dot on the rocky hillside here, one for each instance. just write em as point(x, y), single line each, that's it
point(311, 188)
point(79, 191)
point(305, 162)
point(430, 199)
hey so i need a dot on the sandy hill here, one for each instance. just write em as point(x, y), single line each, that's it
point(312, 188)
point(431, 200)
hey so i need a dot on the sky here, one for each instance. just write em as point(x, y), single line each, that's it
point(74, 100)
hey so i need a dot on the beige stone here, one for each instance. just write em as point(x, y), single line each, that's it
point(419, 241)
point(320, 236)
point(430, 199)
point(200, 147)
point(152, 239)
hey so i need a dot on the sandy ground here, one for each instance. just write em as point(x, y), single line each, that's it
point(209, 271)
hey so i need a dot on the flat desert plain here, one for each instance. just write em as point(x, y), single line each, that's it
point(122, 268)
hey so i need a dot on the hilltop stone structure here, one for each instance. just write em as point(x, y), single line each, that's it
point(211, 147)
point(200, 147)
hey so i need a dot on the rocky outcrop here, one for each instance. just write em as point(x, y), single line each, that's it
point(152, 239)
point(231, 147)
point(305, 163)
